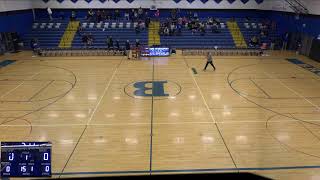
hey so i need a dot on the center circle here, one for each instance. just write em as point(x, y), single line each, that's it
point(156, 89)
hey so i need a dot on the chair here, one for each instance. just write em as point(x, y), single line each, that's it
point(99, 25)
point(106, 25)
point(84, 25)
point(120, 25)
point(113, 25)
point(128, 25)
point(91, 25)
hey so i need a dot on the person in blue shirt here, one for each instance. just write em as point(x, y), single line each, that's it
point(35, 47)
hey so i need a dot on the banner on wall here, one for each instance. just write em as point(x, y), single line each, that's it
point(244, 1)
point(259, 1)
point(231, 1)
point(176, 1)
point(204, 1)
point(217, 1)
point(190, 1)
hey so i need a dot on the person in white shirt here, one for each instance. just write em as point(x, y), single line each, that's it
point(209, 61)
point(49, 13)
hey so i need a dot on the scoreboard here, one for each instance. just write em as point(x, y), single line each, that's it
point(155, 51)
point(26, 159)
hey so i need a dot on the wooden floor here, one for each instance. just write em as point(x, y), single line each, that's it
point(253, 114)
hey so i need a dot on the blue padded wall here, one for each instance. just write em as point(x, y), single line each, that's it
point(16, 21)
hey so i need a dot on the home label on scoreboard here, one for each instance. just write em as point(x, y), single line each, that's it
point(26, 159)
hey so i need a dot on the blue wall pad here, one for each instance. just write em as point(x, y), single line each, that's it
point(6, 63)
point(305, 66)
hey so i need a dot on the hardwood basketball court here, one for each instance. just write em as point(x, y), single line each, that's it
point(253, 114)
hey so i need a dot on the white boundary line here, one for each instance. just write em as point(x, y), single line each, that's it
point(104, 92)
point(132, 124)
point(23, 81)
point(295, 92)
point(203, 99)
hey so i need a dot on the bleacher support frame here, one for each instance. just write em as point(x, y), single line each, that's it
point(53, 52)
point(222, 52)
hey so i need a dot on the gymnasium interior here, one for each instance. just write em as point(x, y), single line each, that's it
point(171, 88)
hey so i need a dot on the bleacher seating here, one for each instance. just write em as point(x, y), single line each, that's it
point(49, 34)
point(223, 39)
point(253, 28)
point(116, 29)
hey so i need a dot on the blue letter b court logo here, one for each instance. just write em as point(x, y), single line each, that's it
point(158, 89)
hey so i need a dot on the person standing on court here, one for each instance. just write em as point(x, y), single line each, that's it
point(209, 61)
point(49, 13)
point(128, 49)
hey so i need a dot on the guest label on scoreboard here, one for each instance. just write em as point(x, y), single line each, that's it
point(26, 159)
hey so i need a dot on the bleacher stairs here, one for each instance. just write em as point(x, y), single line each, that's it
point(237, 35)
point(68, 36)
point(153, 33)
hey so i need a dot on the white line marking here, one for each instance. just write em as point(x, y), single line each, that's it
point(23, 81)
point(295, 92)
point(133, 124)
point(204, 101)
point(104, 93)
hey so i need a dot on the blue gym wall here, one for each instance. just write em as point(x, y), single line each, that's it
point(20, 21)
point(287, 22)
point(16, 21)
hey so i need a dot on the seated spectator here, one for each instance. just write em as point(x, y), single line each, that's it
point(90, 15)
point(137, 43)
point(109, 42)
point(157, 14)
point(73, 16)
point(126, 15)
point(116, 14)
point(49, 13)
point(141, 25)
point(254, 41)
point(137, 29)
point(35, 47)
point(195, 15)
point(140, 13)
point(179, 29)
point(103, 15)
point(172, 29)
point(99, 16)
point(131, 15)
point(202, 30)
point(215, 28)
point(189, 14)
point(135, 15)
point(79, 30)
point(61, 15)
point(117, 45)
point(85, 39)
point(184, 21)
point(108, 15)
point(166, 31)
point(90, 40)
point(263, 48)
point(147, 22)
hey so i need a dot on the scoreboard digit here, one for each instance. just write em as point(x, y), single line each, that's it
point(26, 159)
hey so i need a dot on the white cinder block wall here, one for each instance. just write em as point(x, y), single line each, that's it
point(278, 5)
